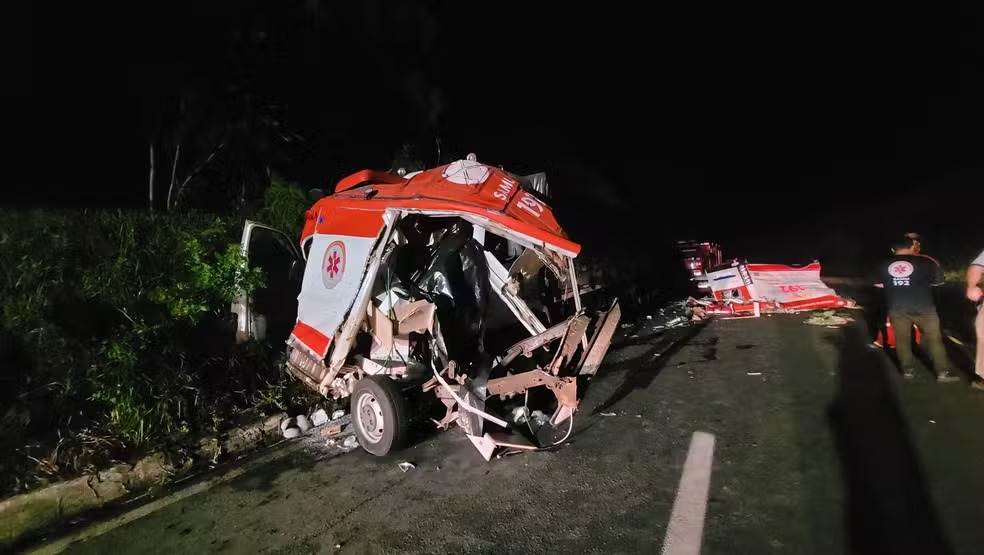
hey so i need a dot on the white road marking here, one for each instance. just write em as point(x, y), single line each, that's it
point(686, 528)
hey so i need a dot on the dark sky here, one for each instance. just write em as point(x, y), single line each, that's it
point(777, 124)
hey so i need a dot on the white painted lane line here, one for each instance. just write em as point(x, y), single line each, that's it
point(686, 528)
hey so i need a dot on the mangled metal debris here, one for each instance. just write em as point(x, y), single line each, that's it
point(456, 282)
point(828, 318)
point(742, 288)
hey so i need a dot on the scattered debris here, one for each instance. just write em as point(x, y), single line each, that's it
point(509, 452)
point(932, 422)
point(828, 318)
point(291, 433)
point(331, 431)
point(337, 414)
point(758, 288)
point(678, 321)
point(351, 442)
point(320, 417)
point(405, 466)
point(520, 415)
point(539, 418)
point(303, 423)
point(753, 373)
point(608, 414)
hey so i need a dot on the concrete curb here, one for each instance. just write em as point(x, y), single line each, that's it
point(25, 515)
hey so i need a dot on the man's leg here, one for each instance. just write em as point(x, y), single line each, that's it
point(932, 340)
point(902, 327)
point(979, 325)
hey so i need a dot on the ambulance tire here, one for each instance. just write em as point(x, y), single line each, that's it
point(379, 415)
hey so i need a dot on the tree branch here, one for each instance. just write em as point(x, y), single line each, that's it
point(174, 170)
point(150, 190)
point(195, 172)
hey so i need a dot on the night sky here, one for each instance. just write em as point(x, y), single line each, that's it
point(787, 130)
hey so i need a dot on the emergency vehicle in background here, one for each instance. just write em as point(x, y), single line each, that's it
point(698, 258)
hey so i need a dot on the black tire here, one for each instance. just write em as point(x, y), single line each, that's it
point(379, 415)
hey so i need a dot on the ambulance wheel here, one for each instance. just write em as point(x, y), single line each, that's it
point(379, 414)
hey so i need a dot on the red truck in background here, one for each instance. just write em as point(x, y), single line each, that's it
point(698, 257)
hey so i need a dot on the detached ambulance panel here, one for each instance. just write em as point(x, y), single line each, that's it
point(791, 287)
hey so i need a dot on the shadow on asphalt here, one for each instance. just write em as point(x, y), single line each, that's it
point(889, 509)
point(647, 366)
point(956, 317)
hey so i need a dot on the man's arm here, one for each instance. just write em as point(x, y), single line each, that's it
point(937, 278)
point(974, 273)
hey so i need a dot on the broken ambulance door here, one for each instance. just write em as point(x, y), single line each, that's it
point(604, 326)
point(271, 310)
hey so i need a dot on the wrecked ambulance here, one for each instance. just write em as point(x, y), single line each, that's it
point(455, 283)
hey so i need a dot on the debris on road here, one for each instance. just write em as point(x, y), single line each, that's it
point(405, 466)
point(608, 414)
point(828, 318)
point(331, 431)
point(742, 288)
point(319, 417)
point(303, 423)
point(337, 414)
point(351, 442)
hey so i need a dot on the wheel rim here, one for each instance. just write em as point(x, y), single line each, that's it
point(370, 417)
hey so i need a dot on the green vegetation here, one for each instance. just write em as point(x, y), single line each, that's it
point(284, 205)
point(116, 336)
point(955, 275)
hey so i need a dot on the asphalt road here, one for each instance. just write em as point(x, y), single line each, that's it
point(820, 448)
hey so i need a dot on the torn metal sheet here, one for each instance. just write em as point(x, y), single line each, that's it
point(788, 288)
point(605, 327)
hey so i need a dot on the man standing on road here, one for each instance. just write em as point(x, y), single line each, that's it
point(974, 293)
point(908, 279)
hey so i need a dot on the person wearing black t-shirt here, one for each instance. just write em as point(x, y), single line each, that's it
point(908, 279)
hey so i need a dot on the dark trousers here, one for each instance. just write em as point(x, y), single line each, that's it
point(932, 338)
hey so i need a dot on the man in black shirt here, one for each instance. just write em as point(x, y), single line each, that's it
point(908, 279)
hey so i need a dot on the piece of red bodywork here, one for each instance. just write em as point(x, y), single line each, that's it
point(358, 203)
point(774, 286)
point(354, 214)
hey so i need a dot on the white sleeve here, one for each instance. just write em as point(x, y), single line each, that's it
point(979, 261)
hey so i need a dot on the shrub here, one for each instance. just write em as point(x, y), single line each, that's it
point(120, 322)
point(284, 205)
